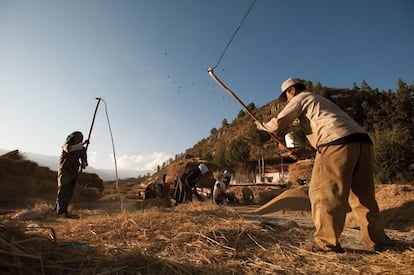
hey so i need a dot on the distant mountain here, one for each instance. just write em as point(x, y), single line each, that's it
point(105, 174)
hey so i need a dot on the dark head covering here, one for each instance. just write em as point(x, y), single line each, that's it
point(70, 137)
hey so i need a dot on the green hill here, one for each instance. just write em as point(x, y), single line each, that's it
point(387, 115)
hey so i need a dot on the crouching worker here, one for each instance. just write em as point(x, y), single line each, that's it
point(72, 157)
point(159, 190)
point(226, 178)
point(186, 184)
point(219, 191)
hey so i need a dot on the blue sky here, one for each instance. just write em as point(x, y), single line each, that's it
point(148, 60)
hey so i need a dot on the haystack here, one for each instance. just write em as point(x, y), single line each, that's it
point(24, 182)
point(178, 168)
point(300, 171)
point(294, 199)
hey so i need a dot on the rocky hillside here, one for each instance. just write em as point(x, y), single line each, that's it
point(243, 125)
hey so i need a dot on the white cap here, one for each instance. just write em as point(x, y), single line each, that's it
point(203, 168)
point(287, 84)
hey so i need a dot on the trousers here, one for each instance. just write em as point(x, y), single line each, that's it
point(66, 187)
point(342, 177)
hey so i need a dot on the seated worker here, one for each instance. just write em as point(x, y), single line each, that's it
point(226, 178)
point(219, 191)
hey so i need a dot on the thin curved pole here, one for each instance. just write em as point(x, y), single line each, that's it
point(113, 147)
point(234, 96)
point(93, 121)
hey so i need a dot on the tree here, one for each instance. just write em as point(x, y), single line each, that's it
point(256, 137)
point(208, 156)
point(392, 159)
point(372, 110)
point(365, 86)
point(308, 84)
point(403, 106)
point(317, 88)
point(213, 131)
point(224, 123)
point(220, 156)
point(241, 114)
point(239, 152)
point(251, 107)
point(299, 137)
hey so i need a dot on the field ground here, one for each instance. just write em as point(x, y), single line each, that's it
point(195, 238)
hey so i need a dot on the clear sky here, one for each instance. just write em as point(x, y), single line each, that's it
point(148, 60)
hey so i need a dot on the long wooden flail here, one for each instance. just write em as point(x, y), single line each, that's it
point(234, 96)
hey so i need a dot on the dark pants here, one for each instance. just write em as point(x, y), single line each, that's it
point(66, 187)
point(183, 192)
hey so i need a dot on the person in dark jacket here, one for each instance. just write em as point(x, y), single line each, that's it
point(185, 185)
point(72, 158)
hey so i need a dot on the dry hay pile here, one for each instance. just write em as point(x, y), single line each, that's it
point(294, 199)
point(300, 170)
point(197, 238)
point(260, 194)
point(179, 167)
point(269, 194)
point(396, 203)
point(21, 179)
point(24, 182)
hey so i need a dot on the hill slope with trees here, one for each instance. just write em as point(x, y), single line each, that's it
point(388, 116)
